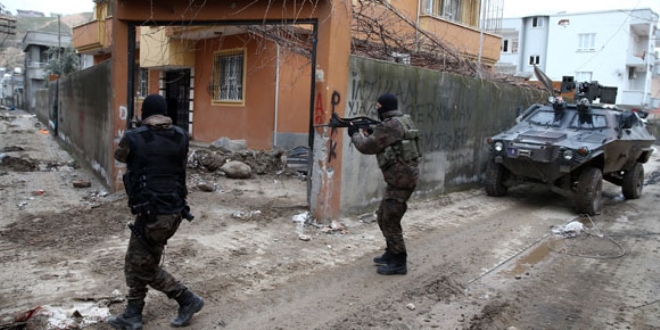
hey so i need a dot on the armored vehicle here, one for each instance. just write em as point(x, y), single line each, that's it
point(572, 148)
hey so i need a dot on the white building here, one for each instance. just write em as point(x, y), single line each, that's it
point(616, 48)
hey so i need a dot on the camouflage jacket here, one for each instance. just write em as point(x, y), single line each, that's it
point(401, 175)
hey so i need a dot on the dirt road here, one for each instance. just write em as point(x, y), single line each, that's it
point(474, 262)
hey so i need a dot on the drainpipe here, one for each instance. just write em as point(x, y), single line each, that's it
point(647, 65)
point(419, 13)
point(277, 96)
point(482, 13)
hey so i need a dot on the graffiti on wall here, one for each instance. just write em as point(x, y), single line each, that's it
point(332, 148)
point(123, 116)
point(443, 124)
point(364, 94)
point(319, 114)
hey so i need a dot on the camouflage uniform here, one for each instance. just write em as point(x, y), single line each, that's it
point(156, 185)
point(143, 255)
point(400, 175)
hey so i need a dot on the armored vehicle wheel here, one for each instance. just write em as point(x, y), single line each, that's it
point(633, 182)
point(588, 197)
point(495, 176)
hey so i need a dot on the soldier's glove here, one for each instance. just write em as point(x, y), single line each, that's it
point(352, 129)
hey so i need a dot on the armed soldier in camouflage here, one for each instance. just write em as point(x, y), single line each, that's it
point(156, 155)
point(395, 143)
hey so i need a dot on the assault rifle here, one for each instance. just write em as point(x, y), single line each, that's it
point(359, 122)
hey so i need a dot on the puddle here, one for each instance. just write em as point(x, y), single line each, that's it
point(523, 265)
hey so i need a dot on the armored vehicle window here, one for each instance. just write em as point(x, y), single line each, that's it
point(588, 121)
point(545, 118)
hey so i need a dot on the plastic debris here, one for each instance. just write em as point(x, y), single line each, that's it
point(301, 218)
point(74, 317)
point(245, 215)
point(569, 230)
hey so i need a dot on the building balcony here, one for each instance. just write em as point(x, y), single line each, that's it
point(468, 40)
point(637, 60)
point(94, 37)
point(159, 49)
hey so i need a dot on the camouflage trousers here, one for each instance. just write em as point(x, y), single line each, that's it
point(390, 212)
point(141, 265)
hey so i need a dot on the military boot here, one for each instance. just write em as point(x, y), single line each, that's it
point(130, 319)
point(385, 258)
point(189, 304)
point(397, 265)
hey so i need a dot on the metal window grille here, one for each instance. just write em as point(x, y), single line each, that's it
point(229, 80)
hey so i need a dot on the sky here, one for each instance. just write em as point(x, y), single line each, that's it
point(64, 7)
point(518, 8)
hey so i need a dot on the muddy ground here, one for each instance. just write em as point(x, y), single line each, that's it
point(474, 262)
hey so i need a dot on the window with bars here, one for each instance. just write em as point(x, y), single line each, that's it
point(229, 76)
point(586, 42)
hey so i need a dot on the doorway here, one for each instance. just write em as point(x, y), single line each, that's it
point(177, 95)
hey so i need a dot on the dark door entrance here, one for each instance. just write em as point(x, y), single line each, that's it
point(177, 94)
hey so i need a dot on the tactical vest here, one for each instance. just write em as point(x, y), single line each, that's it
point(156, 178)
point(407, 150)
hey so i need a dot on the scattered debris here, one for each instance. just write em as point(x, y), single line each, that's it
point(245, 215)
point(206, 186)
point(18, 164)
point(302, 217)
point(23, 317)
point(569, 230)
point(297, 159)
point(12, 148)
point(304, 237)
point(335, 226)
point(81, 184)
point(74, 317)
point(411, 306)
point(368, 217)
point(653, 178)
point(236, 170)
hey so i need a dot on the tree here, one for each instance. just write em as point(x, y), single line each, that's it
point(67, 61)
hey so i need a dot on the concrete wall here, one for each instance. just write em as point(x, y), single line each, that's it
point(84, 120)
point(42, 108)
point(455, 114)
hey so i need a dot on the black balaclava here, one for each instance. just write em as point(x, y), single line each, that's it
point(153, 104)
point(387, 102)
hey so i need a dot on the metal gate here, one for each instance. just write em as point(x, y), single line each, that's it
point(177, 95)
